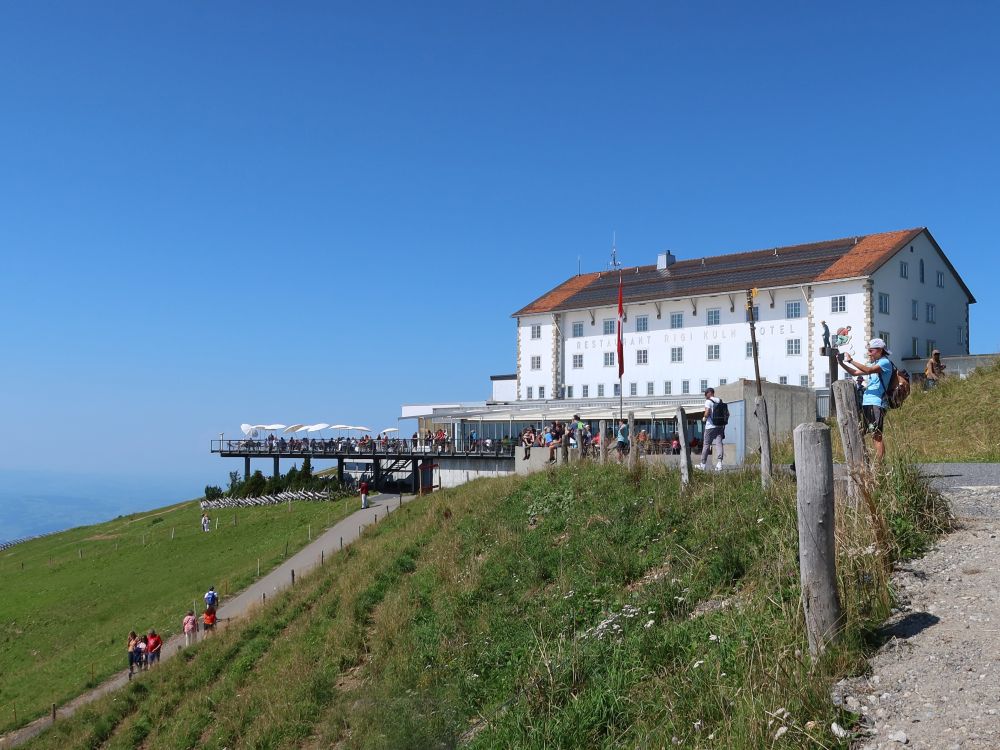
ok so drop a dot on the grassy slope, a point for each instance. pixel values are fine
(957, 421)
(468, 619)
(62, 617)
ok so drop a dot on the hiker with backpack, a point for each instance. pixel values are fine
(886, 387)
(716, 419)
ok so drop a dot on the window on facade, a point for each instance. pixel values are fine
(649, 389)
(915, 346)
(931, 346)
(577, 361)
(931, 313)
(577, 330)
(685, 386)
(793, 347)
(884, 335)
(641, 356)
(633, 389)
(531, 393)
(609, 359)
(536, 332)
(618, 389)
(642, 323)
(677, 320)
(827, 380)
(940, 279)
(569, 391)
(838, 304)
(723, 381)
(600, 390)
(921, 270)
(756, 314)
(804, 381)
(677, 354)
(793, 309)
(883, 303)
(904, 269)
(536, 363)
(541, 391)
(713, 351)
(915, 310)
(668, 387)
(961, 336)
(704, 385)
(609, 327)
(783, 380)
(750, 349)
(584, 391)
(713, 316)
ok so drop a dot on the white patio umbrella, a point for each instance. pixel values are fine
(273, 427)
(390, 429)
(362, 429)
(303, 428)
(246, 429)
(317, 427)
(293, 428)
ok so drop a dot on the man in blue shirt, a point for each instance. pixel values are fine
(874, 401)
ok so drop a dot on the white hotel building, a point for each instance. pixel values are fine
(686, 323)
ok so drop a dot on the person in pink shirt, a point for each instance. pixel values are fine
(190, 626)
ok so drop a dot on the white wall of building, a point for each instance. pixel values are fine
(949, 331)
(852, 296)
(529, 347)
(504, 390)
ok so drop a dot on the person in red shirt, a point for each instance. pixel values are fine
(363, 487)
(208, 620)
(153, 646)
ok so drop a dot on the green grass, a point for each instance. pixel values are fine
(473, 618)
(68, 601)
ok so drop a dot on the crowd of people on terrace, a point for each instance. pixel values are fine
(579, 434)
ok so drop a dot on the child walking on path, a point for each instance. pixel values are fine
(190, 626)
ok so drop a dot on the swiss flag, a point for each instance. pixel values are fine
(621, 321)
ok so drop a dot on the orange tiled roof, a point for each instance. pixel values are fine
(560, 294)
(829, 260)
(870, 252)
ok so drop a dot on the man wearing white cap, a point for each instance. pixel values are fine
(874, 400)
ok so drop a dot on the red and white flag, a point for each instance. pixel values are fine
(621, 321)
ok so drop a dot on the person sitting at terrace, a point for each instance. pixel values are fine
(282, 445)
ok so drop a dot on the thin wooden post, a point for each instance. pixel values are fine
(633, 454)
(764, 428)
(834, 377)
(172, 530)
(322, 557)
(258, 567)
(310, 532)
(342, 543)
(263, 597)
(53, 713)
(816, 520)
(603, 442)
(849, 424)
(293, 576)
(682, 435)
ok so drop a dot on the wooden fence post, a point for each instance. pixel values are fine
(682, 436)
(817, 550)
(760, 410)
(603, 427)
(633, 455)
(849, 424)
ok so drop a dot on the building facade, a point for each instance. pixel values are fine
(686, 323)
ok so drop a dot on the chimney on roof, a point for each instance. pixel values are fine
(664, 260)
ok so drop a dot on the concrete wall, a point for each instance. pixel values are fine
(788, 406)
(453, 472)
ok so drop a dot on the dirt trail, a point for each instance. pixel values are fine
(935, 684)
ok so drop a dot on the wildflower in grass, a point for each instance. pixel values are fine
(648, 625)
(698, 663)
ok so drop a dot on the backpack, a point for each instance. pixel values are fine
(720, 413)
(899, 386)
(211, 599)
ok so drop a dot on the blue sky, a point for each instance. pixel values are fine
(213, 213)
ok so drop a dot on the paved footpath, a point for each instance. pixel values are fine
(308, 558)
(935, 684)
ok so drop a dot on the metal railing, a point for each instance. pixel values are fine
(337, 448)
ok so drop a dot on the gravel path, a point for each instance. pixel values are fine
(935, 684)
